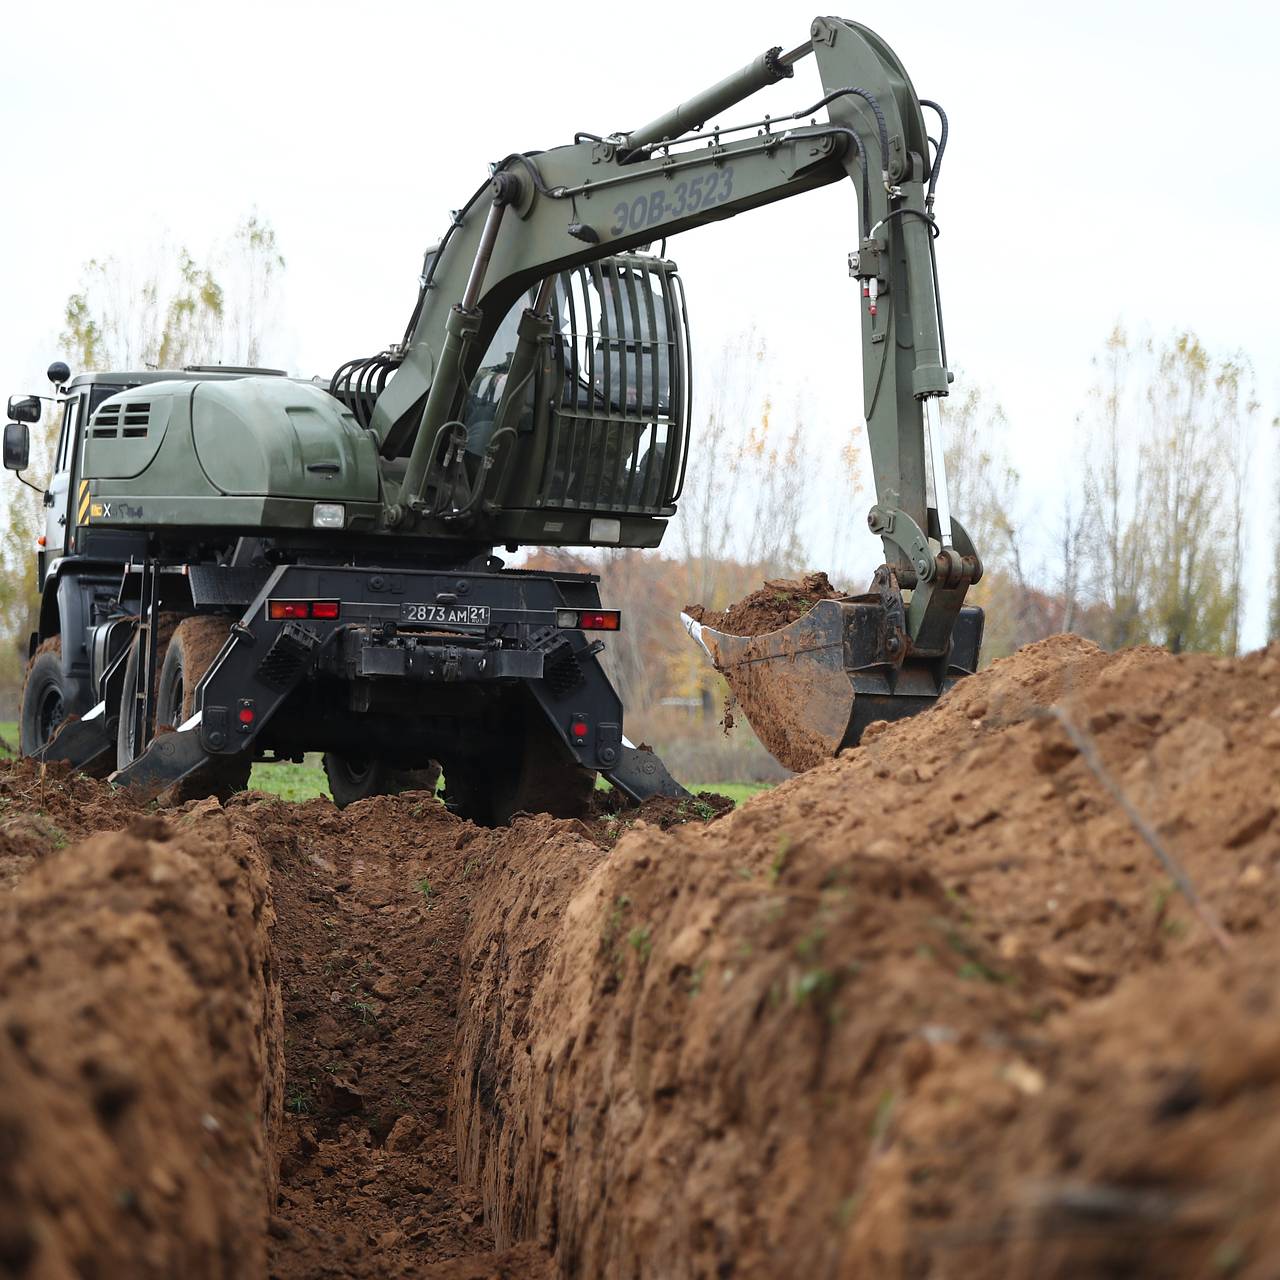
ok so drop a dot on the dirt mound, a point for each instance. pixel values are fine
(778, 602)
(935, 1007)
(139, 1065)
(931, 1007)
(47, 807)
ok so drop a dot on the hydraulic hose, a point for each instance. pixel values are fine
(881, 128)
(937, 155)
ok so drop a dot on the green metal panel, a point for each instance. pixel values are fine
(260, 452)
(126, 434)
(287, 439)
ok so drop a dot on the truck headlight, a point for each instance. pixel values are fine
(328, 515)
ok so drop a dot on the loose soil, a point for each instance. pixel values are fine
(934, 1008)
(779, 602)
(797, 706)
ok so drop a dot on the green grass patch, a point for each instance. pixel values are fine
(291, 781)
(736, 791)
(8, 739)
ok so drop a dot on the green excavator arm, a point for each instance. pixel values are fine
(544, 213)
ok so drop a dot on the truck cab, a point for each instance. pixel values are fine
(78, 566)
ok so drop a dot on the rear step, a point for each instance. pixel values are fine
(809, 689)
(168, 759)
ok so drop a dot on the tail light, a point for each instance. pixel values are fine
(589, 619)
(324, 610)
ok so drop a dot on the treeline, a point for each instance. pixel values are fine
(1145, 543)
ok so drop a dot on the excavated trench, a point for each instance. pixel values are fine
(934, 1008)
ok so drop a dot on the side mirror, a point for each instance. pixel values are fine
(24, 408)
(17, 446)
(58, 372)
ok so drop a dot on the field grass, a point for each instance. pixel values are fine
(291, 781)
(306, 781)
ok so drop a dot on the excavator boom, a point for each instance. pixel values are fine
(551, 212)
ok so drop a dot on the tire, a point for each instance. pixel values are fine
(539, 775)
(186, 648)
(48, 698)
(353, 778)
(127, 750)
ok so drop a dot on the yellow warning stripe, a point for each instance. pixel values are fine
(83, 514)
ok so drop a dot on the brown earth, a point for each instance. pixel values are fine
(778, 602)
(140, 1055)
(933, 1009)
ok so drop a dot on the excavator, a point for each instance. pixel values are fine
(250, 566)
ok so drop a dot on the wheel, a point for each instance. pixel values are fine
(195, 643)
(540, 775)
(127, 748)
(47, 698)
(186, 647)
(353, 778)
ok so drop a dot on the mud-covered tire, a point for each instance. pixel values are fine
(185, 648)
(127, 750)
(353, 778)
(190, 652)
(48, 698)
(539, 775)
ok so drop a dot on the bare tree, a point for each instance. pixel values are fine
(704, 527)
(1072, 526)
(1200, 414)
(846, 520)
(166, 311)
(981, 480)
(1115, 499)
(779, 475)
(172, 310)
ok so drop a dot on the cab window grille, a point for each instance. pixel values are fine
(619, 428)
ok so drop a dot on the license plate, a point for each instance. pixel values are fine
(449, 615)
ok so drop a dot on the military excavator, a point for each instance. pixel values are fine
(240, 565)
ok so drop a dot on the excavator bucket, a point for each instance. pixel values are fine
(810, 688)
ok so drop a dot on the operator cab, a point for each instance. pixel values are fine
(611, 436)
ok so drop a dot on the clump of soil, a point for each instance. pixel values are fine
(140, 1057)
(614, 813)
(777, 603)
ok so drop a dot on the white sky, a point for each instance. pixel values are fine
(1107, 160)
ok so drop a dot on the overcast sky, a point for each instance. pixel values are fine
(1107, 161)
